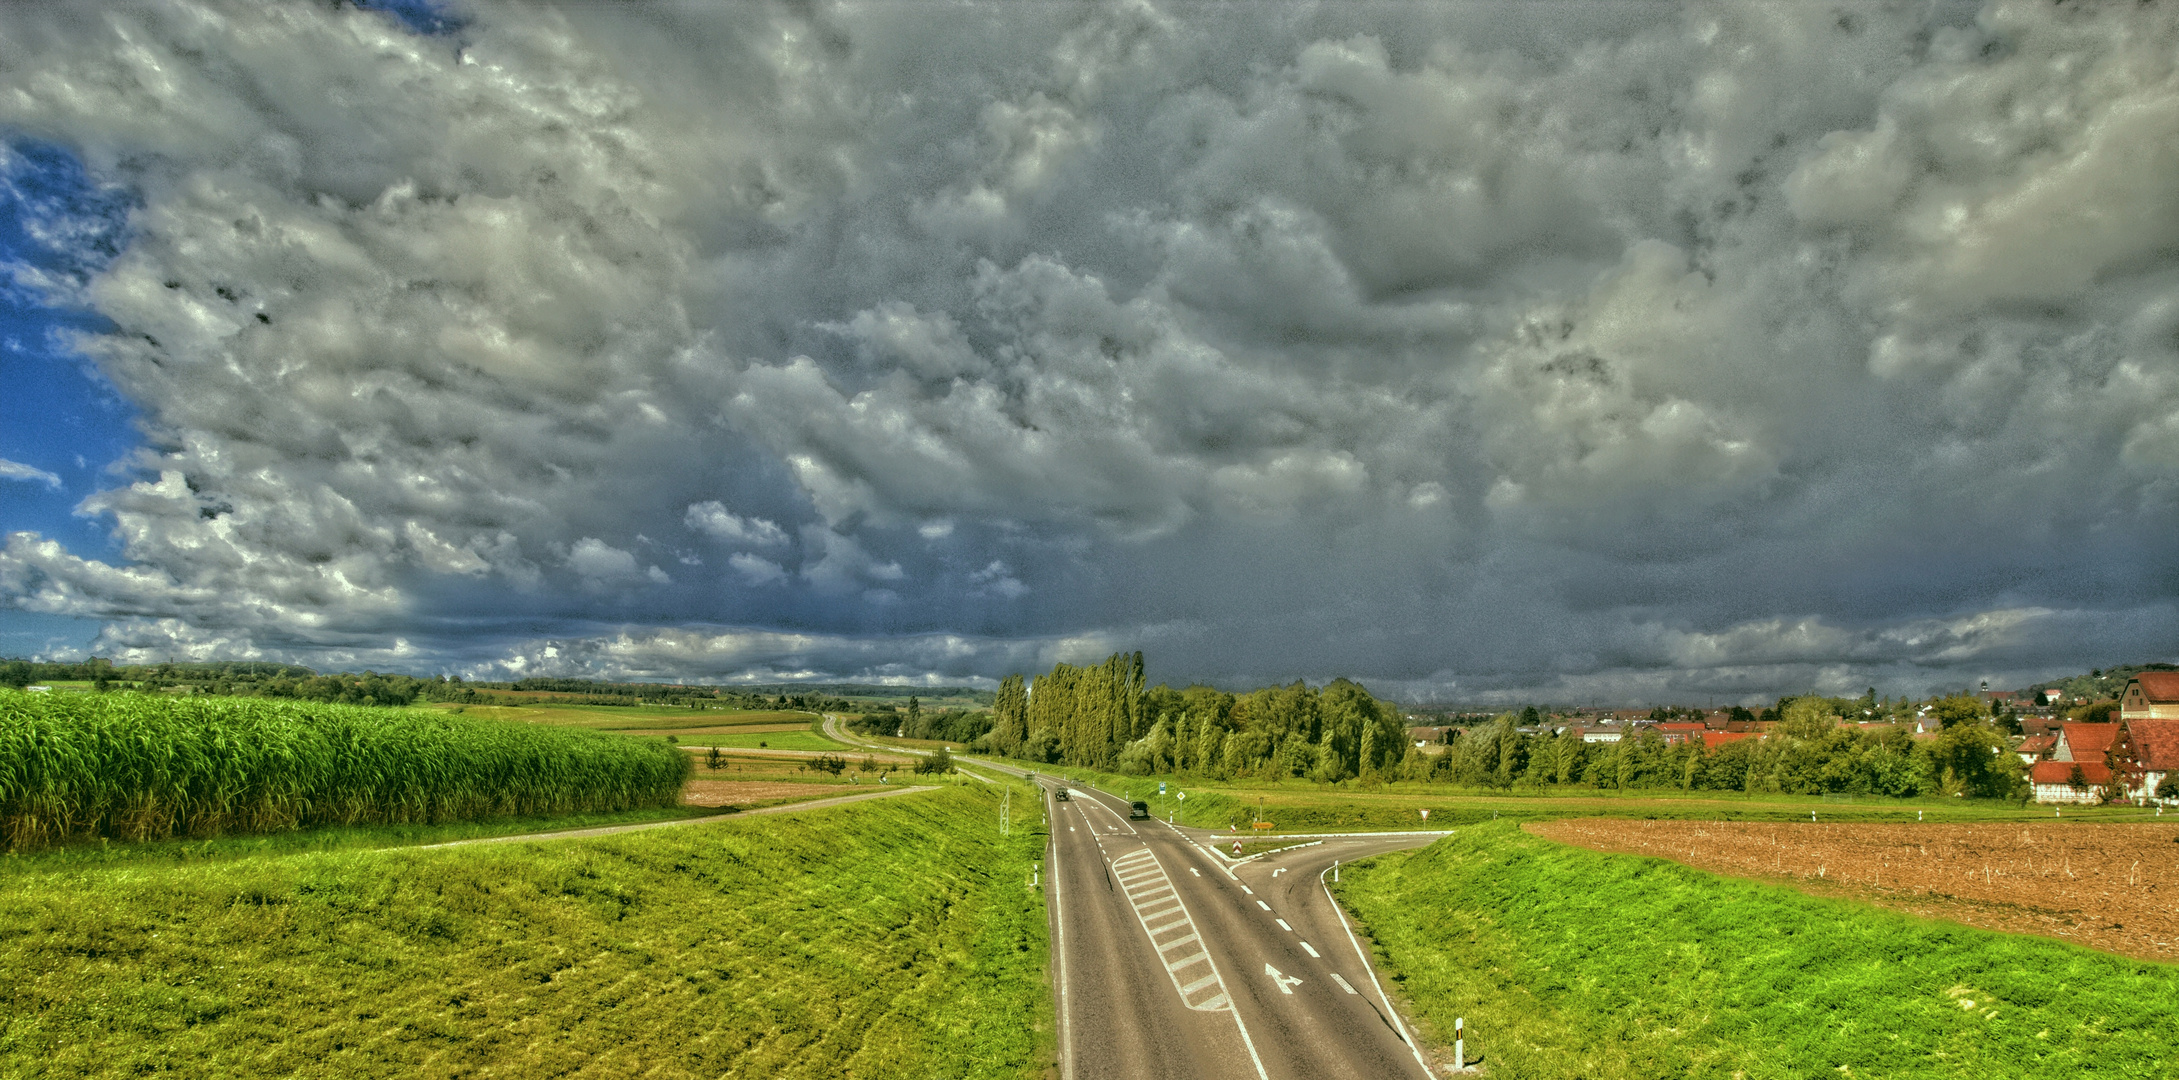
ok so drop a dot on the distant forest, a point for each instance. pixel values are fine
(257, 679)
(1103, 717)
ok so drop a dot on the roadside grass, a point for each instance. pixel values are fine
(1296, 805)
(1569, 962)
(891, 938)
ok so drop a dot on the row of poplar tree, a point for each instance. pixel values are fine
(1104, 717)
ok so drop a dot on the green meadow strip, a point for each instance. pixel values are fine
(1570, 962)
(142, 767)
(893, 938)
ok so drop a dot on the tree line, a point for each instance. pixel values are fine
(1810, 752)
(1104, 717)
(916, 722)
(295, 682)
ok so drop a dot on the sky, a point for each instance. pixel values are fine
(1551, 351)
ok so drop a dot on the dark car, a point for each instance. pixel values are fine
(1138, 809)
(1059, 794)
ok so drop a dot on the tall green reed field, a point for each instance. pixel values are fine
(140, 767)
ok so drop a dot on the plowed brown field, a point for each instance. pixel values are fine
(2109, 886)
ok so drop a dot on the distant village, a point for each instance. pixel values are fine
(2107, 738)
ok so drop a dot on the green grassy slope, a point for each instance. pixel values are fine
(1569, 962)
(890, 938)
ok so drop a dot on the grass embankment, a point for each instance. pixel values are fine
(882, 939)
(1300, 806)
(1568, 962)
(136, 766)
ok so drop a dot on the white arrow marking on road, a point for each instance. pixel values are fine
(1195, 871)
(1278, 871)
(1287, 983)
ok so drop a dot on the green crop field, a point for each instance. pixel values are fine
(1569, 962)
(770, 740)
(895, 938)
(133, 767)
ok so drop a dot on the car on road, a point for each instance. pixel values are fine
(1059, 794)
(1138, 809)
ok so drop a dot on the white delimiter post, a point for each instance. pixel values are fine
(1460, 1044)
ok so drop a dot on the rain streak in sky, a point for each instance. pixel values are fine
(1483, 352)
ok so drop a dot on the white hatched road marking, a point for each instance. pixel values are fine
(1172, 932)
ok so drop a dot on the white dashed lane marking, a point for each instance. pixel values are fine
(1311, 950)
(1172, 932)
(1263, 905)
(1342, 983)
(1283, 926)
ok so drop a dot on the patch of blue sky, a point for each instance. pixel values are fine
(61, 423)
(421, 16)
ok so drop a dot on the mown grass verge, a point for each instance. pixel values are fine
(1569, 962)
(891, 938)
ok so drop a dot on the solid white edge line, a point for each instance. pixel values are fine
(1367, 966)
(1059, 951)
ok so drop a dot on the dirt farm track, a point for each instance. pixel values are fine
(2108, 886)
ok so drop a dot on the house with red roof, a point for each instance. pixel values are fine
(1680, 731)
(2145, 752)
(2054, 780)
(2035, 748)
(2151, 695)
(2084, 742)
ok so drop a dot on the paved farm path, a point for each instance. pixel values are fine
(603, 830)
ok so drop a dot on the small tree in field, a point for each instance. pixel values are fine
(939, 761)
(829, 763)
(711, 760)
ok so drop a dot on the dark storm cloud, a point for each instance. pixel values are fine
(1481, 351)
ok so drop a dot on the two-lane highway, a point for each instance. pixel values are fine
(1171, 965)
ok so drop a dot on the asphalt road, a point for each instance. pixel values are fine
(1170, 965)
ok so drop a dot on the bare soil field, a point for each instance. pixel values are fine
(751, 792)
(2108, 886)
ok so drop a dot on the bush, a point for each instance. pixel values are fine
(939, 761)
